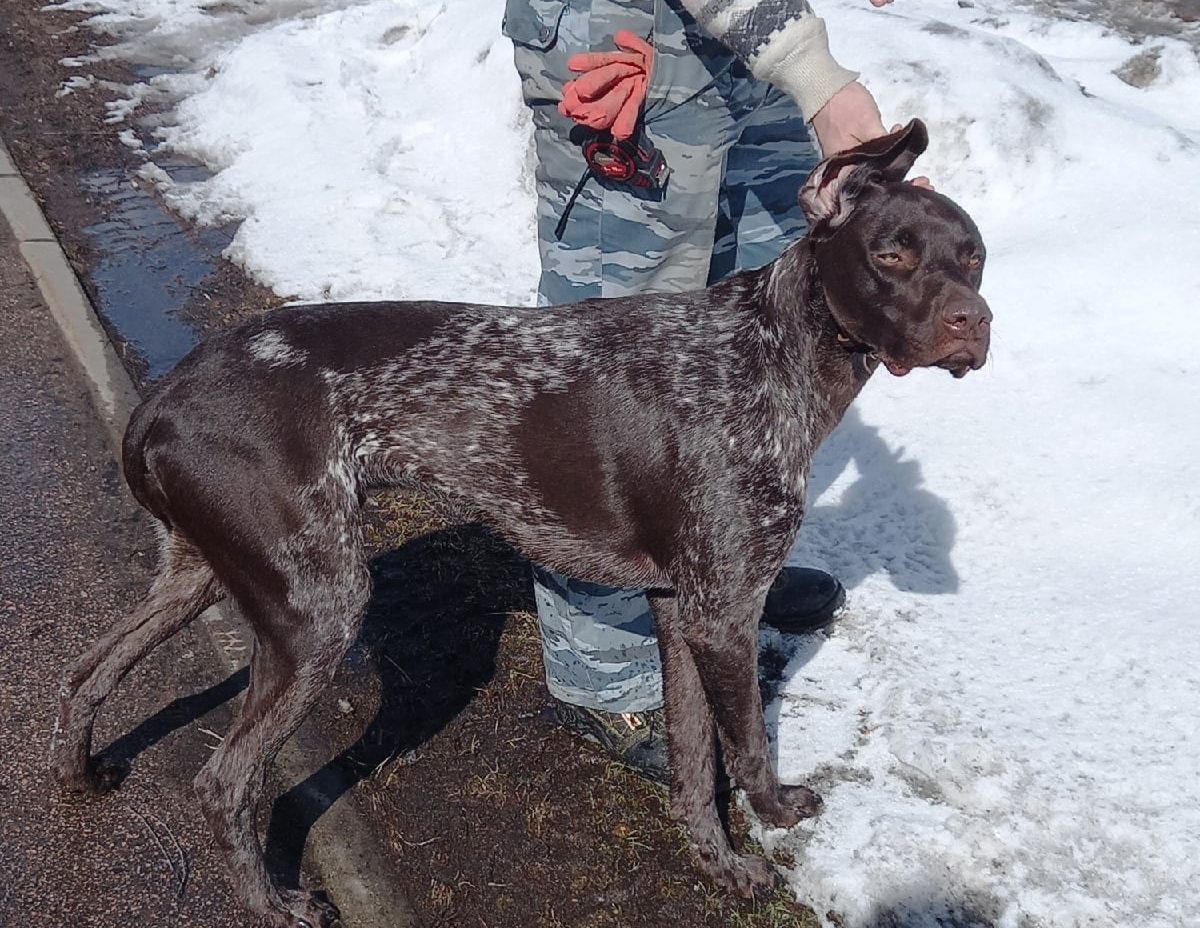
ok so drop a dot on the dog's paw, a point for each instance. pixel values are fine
(106, 775)
(299, 909)
(794, 803)
(745, 875)
(95, 779)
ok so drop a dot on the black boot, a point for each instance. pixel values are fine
(803, 599)
(638, 740)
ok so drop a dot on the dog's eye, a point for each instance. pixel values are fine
(975, 262)
(890, 258)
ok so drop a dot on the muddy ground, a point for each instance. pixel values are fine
(495, 816)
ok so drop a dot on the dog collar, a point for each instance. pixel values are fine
(862, 356)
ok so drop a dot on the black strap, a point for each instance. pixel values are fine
(562, 223)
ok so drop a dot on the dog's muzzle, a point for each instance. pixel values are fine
(967, 325)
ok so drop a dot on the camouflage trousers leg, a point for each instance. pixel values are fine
(738, 150)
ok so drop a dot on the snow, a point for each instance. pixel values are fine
(1004, 725)
(327, 133)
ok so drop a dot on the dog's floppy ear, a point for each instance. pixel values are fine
(828, 194)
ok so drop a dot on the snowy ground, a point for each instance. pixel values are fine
(1004, 728)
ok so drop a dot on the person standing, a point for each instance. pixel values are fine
(725, 91)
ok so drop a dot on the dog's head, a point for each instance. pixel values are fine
(900, 265)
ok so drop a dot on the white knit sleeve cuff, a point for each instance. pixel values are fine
(797, 60)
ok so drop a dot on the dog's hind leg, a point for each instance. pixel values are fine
(185, 587)
(691, 742)
(302, 627)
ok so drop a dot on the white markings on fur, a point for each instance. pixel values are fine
(331, 536)
(449, 413)
(469, 381)
(271, 348)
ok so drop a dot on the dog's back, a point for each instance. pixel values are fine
(565, 427)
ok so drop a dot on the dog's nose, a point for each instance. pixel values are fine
(966, 319)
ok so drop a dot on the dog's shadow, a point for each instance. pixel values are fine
(429, 643)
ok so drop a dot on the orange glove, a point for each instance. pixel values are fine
(612, 86)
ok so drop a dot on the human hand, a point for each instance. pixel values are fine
(611, 87)
(850, 118)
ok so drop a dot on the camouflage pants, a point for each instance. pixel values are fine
(738, 150)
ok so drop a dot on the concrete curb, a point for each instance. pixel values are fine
(342, 846)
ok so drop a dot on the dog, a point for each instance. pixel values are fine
(659, 441)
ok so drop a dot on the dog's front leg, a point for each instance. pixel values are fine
(722, 635)
(691, 743)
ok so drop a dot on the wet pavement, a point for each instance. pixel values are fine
(149, 265)
(74, 556)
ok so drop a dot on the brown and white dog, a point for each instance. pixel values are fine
(660, 441)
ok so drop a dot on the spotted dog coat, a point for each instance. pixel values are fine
(660, 441)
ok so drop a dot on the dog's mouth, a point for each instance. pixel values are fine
(959, 362)
(963, 361)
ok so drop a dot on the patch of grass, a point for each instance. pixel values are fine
(779, 911)
(492, 786)
(395, 516)
(441, 896)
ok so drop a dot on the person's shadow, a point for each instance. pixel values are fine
(934, 908)
(885, 521)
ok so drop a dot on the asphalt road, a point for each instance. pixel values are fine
(75, 554)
